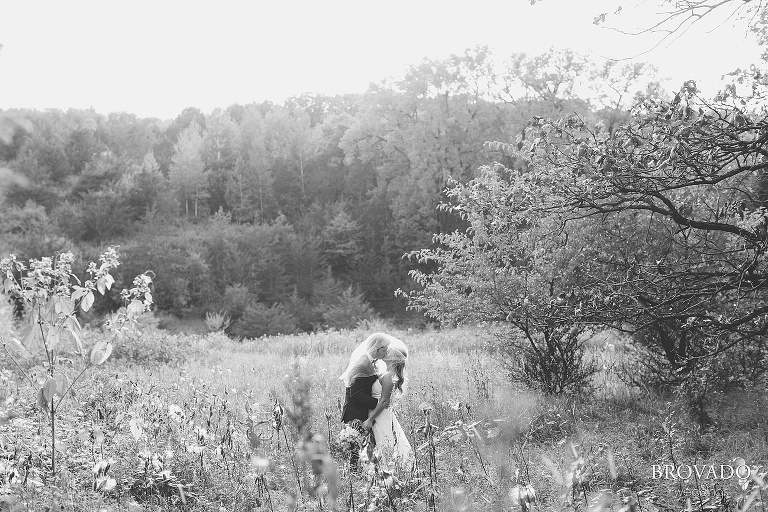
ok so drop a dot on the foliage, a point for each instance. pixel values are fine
(686, 174)
(183, 282)
(52, 295)
(29, 232)
(348, 312)
(150, 346)
(554, 365)
(217, 322)
(202, 435)
(260, 320)
(187, 173)
(348, 182)
(236, 298)
(511, 265)
(647, 366)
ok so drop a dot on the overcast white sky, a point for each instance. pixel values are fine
(156, 57)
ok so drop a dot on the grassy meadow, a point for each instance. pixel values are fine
(189, 422)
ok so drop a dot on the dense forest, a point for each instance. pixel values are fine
(290, 217)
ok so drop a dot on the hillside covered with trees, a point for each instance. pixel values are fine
(289, 216)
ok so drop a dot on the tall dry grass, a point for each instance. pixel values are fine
(495, 445)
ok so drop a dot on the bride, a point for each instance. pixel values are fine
(389, 435)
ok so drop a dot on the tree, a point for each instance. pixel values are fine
(675, 17)
(342, 241)
(220, 153)
(82, 138)
(553, 77)
(250, 183)
(617, 88)
(289, 142)
(684, 177)
(150, 191)
(128, 135)
(516, 266)
(164, 147)
(188, 174)
(418, 133)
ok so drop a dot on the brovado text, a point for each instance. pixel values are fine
(702, 471)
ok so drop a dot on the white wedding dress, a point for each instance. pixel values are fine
(389, 435)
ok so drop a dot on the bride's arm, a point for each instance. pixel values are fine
(386, 393)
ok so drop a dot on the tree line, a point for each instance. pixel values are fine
(293, 215)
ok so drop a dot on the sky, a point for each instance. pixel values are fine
(155, 58)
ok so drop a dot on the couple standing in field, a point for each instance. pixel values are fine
(376, 370)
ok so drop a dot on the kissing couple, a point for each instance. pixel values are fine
(376, 370)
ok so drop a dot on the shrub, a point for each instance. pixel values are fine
(237, 297)
(308, 313)
(694, 378)
(154, 347)
(217, 322)
(350, 310)
(260, 320)
(555, 364)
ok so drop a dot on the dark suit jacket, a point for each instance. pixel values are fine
(358, 400)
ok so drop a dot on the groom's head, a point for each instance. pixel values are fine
(378, 346)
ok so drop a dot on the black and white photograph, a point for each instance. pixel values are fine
(425, 256)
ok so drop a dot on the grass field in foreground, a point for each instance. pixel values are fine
(199, 435)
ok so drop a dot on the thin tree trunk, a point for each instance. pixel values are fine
(301, 171)
(53, 439)
(261, 205)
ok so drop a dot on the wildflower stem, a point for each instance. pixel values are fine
(482, 464)
(53, 439)
(266, 488)
(386, 488)
(63, 395)
(293, 459)
(17, 365)
(351, 494)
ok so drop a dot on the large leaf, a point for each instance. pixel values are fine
(104, 283)
(8, 285)
(100, 352)
(87, 302)
(73, 326)
(42, 402)
(64, 306)
(62, 384)
(18, 350)
(49, 389)
(135, 308)
(32, 340)
(79, 293)
(52, 337)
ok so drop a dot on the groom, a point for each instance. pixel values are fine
(358, 399)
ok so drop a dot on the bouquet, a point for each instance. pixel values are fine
(350, 439)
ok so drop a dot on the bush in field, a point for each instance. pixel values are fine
(152, 348)
(217, 322)
(554, 363)
(349, 310)
(515, 266)
(259, 320)
(647, 366)
(237, 297)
